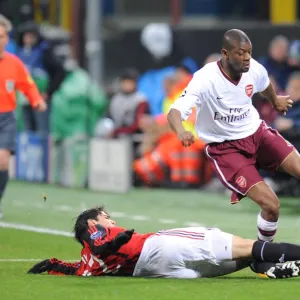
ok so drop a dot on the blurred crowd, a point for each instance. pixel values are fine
(140, 106)
(75, 102)
(283, 65)
(136, 105)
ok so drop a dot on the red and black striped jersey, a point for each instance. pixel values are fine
(99, 259)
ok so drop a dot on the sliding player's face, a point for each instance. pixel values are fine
(104, 220)
(239, 56)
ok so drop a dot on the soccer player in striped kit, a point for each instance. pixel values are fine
(193, 252)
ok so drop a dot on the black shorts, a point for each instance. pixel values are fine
(8, 131)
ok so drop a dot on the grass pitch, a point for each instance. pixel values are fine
(141, 209)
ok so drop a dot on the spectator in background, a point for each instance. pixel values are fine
(127, 106)
(31, 49)
(11, 46)
(276, 61)
(212, 57)
(289, 125)
(160, 148)
(294, 55)
(156, 127)
(182, 76)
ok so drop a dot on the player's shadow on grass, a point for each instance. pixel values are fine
(243, 278)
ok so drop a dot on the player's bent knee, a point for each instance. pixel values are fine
(265, 197)
(271, 206)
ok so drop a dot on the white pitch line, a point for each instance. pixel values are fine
(63, 208)
(139, 218)
(117, 214)
(35, 229)
(19, 259)
(114, 214)
(167, 221)
(29, 259)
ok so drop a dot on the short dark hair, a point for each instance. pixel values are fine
(81, 223)
(233, 36)
(129, 74)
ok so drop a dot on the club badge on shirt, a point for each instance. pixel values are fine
(10, 85)
(249, 90)
(96, 235)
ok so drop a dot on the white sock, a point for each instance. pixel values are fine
(266, 229)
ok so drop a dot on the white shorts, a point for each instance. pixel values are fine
(186, 253)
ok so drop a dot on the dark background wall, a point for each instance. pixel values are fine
(197, 43)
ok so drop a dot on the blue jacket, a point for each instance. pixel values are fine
(33, 58)
(11, 47)
(280, 71)
(294, 114)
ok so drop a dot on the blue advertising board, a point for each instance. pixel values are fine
(32, 156)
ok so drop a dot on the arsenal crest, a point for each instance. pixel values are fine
(249, 90)
(241, 181)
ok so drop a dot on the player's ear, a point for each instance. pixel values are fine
(224, 52)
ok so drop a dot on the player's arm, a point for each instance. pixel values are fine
(280, 103)
(101, 242)
(26, 85)
(55, 267)
(182, 108)
(265, 87)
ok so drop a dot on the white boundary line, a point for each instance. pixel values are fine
(30, 260)
(19, 259)
(35, 229)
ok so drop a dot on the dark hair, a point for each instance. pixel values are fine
(233, 36)
(81, 223)
(129, 74)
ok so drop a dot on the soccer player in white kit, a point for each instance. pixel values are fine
(238, 142)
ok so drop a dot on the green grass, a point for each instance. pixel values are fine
(24, 204)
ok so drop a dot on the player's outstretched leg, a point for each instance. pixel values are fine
(275, 252)
(276, 270)
(285, 270)
(264, 251)
(269, 252)
(267, 220)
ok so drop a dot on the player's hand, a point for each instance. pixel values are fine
(187, 138)
(41, 267)
(41, 106)
(124, 237)
(283, 103)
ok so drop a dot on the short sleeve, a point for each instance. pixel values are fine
(192, 96)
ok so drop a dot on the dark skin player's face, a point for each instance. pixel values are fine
(239, 56)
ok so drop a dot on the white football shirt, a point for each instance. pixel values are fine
(224, 107)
